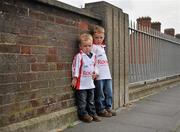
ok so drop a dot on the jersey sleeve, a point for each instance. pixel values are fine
(76, 65)
(95, 66)
(94, 49)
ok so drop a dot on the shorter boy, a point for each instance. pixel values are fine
(83, 73)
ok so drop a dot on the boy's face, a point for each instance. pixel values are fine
(86, 46)
(98, 38)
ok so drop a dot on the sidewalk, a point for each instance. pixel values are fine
(156, 113)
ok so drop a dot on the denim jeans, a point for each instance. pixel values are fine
(103, 94)
(85, 102)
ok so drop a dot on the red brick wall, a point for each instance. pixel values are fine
(37, 45)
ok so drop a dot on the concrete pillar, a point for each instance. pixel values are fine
(115, 23)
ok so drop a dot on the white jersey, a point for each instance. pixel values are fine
(102, 62)
(83, 68)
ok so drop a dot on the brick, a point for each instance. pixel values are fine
(60, 66)
(25, 50)
(37, 15)
(53, 50)
(22, 11)
(44, 75)
(8, 38)
(65, 96)
(39, 84)
(59, 82)
(51, 18)
(6, 78)
(9, 49)
(39, 67)
(42, 17)
(59, 20)
(8, 8)
(25, 77)
(40, 58)
(9, 2)
(6, 99)
(68, 66)
(34, 103)
(9, 29)
(24, 87)
(64, 104)
(12, 9)
(23, 67)
(42, 110)
(8, 88)
(41, 25)
(8, 58)
(51, 58)
(52, 67)
(69, 75)
(26, 59)
(49, 100)
(83, 25)
(27, 40)
(8, 67)
(39, 50)
(43, 92)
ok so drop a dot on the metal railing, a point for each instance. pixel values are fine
(152, 54)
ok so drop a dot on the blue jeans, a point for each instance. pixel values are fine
(85, 102)
(103, 94)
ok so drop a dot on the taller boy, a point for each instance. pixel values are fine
(103, 90)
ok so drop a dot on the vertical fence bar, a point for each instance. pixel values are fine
(152, 55)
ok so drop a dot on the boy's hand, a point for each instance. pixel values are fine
(74, 81)
(94, 75)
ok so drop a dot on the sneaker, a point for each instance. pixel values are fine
(111, 111)
(96, 118)
(86, 118)
(104, 113)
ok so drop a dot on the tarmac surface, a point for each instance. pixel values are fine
(157, 113)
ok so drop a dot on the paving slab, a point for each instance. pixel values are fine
(156, 113)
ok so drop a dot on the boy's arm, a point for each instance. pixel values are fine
(74, 82)
(75, 70)
(96, 71)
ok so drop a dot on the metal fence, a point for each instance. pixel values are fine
(152, 54)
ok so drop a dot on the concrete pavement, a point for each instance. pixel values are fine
(156, 113)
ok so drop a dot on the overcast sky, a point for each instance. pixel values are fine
(165, 11)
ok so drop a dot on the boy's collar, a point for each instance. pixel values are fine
(102, 45)
(81, 52)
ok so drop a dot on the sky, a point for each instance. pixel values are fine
(165, 11)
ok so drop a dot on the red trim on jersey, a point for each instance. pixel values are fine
(79, 77)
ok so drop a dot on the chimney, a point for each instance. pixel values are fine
(169, 31)
(144, 22)
(177, 36)
(156, 26)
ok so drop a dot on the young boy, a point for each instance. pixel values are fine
(103, 83)
(84, 72)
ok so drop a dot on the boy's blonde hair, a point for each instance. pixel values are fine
(85, 37)
(98, 29)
